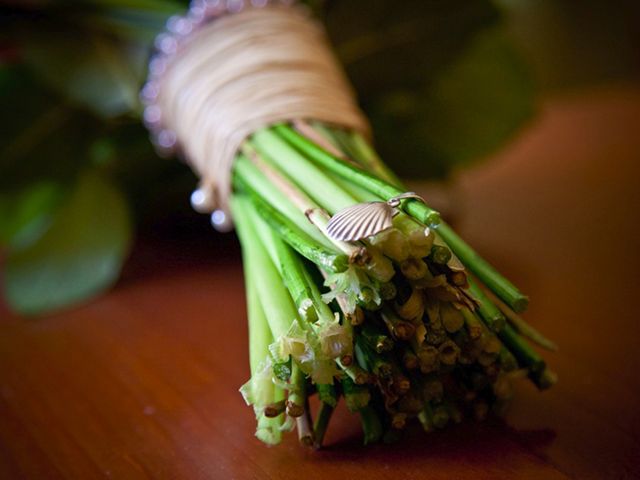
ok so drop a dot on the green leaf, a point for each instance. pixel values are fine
(79, 256)
(402, 44)
(91, 70)
(41, 136)
(471, 108)
(27, 214)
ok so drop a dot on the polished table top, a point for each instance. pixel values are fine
(142, 383)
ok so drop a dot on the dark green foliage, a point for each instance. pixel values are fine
(77, 256)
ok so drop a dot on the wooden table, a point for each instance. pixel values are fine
(142, 383)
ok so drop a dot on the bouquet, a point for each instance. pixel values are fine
(356, 288)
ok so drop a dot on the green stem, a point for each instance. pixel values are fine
(451, 318)
(315, 215)
(426, 418)
(356, 191)
(324, 312)
(355, 396)
(522, 326)
(296, 277)
(309, 178)
(526, 356)
(292, 271)
(474, 326)
(355, 373)
(376, 338)
(327, 393)
(259, 332)
(371, 361)
(297, 395)
(268, 430)
(247, 173)
(260, 337)
(440, 254)
(399, 328)
(275, 299)
(337, 137)
(366, 155)
(371, 425)
(375, 185)
(507, 361)
(544, 379)
(298, 239)
(305, 431)
(354, 145)
(275, 409)
(489, 313)
(321, 423)
(502, 287)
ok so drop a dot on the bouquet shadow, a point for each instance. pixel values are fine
(487, 446)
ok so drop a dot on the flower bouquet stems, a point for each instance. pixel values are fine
(357, 290)
(409, 323)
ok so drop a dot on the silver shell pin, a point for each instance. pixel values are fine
(365, 219)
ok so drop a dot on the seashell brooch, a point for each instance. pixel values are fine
(366, 219)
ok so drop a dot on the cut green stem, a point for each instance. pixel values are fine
(490, 314)
(371, 425)
(297, 395)
(299, 240)
(311, 210)
(327, 393)
(474, 327)
(399, 328)
(305, 431)
(275, 299)
(417, 209)
(248, 174)
(498, 284)
(304, 173)
(322, 423)
(355, 396)
(274, 409)
(522, 326)
(526, 356)
(355, 373)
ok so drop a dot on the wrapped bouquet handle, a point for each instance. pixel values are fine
(237, 74)
(356, 289)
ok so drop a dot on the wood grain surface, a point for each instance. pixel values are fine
(142, 383)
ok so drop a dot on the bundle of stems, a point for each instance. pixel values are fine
(408, 324)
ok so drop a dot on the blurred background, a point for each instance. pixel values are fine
(445, 84)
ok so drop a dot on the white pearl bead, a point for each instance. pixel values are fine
(221, 221)
(235, 6)
(152, 115)
(202, 200)
(171, 23)
(149, 92)
(166, 43)
(179, 25)
(157, 65)
(213, 8)
(167, 139)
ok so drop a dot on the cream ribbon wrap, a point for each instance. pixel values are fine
(243, 72)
